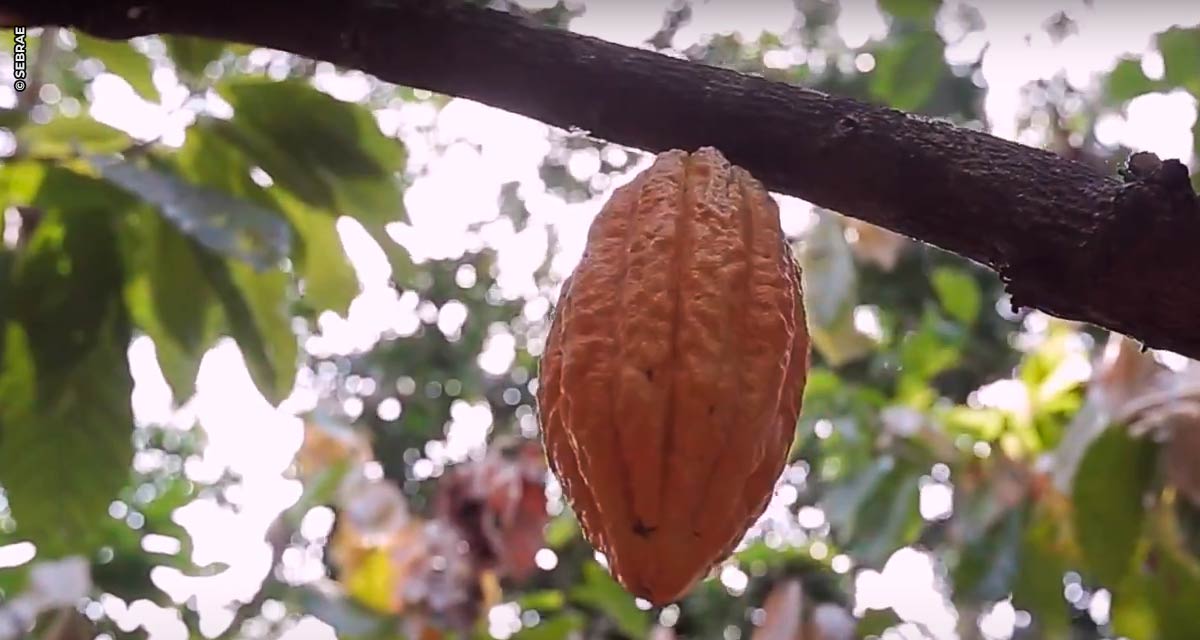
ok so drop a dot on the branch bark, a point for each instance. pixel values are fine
(1066, 239)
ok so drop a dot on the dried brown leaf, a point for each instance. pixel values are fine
(1122, 376)
(326, 444)
(1180, 456)
(873, 244)
(1123, 371)
(498, 504)
(441, 577)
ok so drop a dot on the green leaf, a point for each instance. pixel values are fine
(984, 424)
(207, 158)
(830, 279)
(560, 627)
(1133, 614)
(844, 501)
(841, 343)
(13, 580)
(19, 181)
(958, 292)
(831, 293)
(545, 600)
(122, 59)
(182, 299)
(256, 309)
(49, 186)
(69, 275)
(256, 305)
(127, 574)
(219, 221)
(65, 417)
(13, 118)
(170, 299)
(1108, 516)
(599, 591)
(988, 564)
(907, 73)
(329, 152)
(18, 373)
(888, 519)
(7, 258)
(1040, 364)
(330, 282)
(329, 279)
(48, 287)
(922, 11)
(875, 622)
(286, 171)
(65, 137)
(1127, 81)
(925, 353)
(561, 530)
(192, 55)
(1045, 557)
(1175, 593)
(1180, 50)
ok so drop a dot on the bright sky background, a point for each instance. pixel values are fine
(257, 441)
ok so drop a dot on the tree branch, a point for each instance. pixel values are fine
(1065, 239)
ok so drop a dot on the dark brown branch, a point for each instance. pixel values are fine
(1066, 239)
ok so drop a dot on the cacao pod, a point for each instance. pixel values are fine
(673, 371)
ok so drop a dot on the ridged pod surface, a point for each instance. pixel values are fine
(673, 371)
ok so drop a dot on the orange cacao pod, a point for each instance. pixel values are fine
(673, 371)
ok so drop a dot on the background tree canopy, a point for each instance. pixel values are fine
(269, 333)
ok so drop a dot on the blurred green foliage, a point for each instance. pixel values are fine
(923, 377)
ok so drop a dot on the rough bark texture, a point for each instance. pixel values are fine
(674, 371)
(1065, 238)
